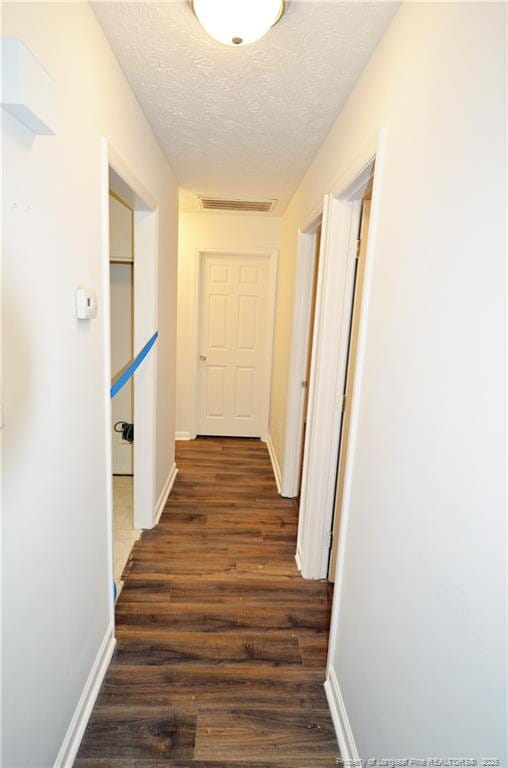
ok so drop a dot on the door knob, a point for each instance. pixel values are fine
(202, 357)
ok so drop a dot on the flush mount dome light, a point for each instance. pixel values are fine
(238, 22)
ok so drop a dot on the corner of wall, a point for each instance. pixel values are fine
(79, 721)
(275, 463)
(348, 751)
(166, 490)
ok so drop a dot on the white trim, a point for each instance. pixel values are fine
(146, 248)
(79, 721)
(274, 460)
(329, 360)
(355, 396)
(345, 737)
(184, 436)
(106, 334)
(127, 185)
(298, 363)
(168, 487)
(347, 744)
(115, 174)
(118, 176)
(298, 561)
(328, 370)
(273, 255)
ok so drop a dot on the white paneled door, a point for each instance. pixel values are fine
(233, 364)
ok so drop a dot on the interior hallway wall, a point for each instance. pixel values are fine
(57, 579)
(419, 620)
(201, 232)
(122, 287)
(121, 353)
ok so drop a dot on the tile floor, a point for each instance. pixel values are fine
(124, 533)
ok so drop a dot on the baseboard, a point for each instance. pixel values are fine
(76, 729)
(298, 560)
(183, 436)
(168, 486)
(275, 462)
(347, 746)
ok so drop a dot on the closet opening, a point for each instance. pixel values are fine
(130, 217)
(345, 414)
(345, 265)
(302, 350)
(121, 275)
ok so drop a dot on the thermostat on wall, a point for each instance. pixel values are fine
(86, 304)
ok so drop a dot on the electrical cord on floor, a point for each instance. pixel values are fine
(126, 430)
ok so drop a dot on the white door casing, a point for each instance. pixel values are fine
(118, 177)
(234, 344)
(333, 316)
(297, 404)
(122, 348)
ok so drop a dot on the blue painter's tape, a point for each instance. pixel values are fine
(132, 367)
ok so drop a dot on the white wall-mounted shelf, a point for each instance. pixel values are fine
(28, 91)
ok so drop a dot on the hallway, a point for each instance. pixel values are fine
(221, 650)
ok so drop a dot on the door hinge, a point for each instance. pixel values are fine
(343, 404)
(357, 254)
(305, 384)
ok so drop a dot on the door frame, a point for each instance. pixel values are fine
(356, 304)
(116, 175)
(306, 254)
(124, 470)
(342, 211)
(273, 256)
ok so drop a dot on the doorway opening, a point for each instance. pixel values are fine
(345, 416)
(309, 345)
(234, 333)
(129, 293)
(121, 280)
(338, 348)
(304, 334)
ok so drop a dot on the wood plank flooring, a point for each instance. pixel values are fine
(221, 649)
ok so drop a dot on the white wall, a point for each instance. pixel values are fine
(121, 310)
(57, 576)
(201, 232)
(121, 352)
(120, 231)
(419, 618)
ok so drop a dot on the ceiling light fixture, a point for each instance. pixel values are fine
(238, 22)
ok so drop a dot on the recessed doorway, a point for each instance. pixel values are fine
(130, 235)
(336, 325)
(304, 334)
(345, 417)
(235, 339)
(121, 274)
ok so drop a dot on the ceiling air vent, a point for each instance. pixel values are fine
(242, 206)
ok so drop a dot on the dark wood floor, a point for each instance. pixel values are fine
(221, 645)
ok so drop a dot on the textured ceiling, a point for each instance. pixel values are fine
(242, 122)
